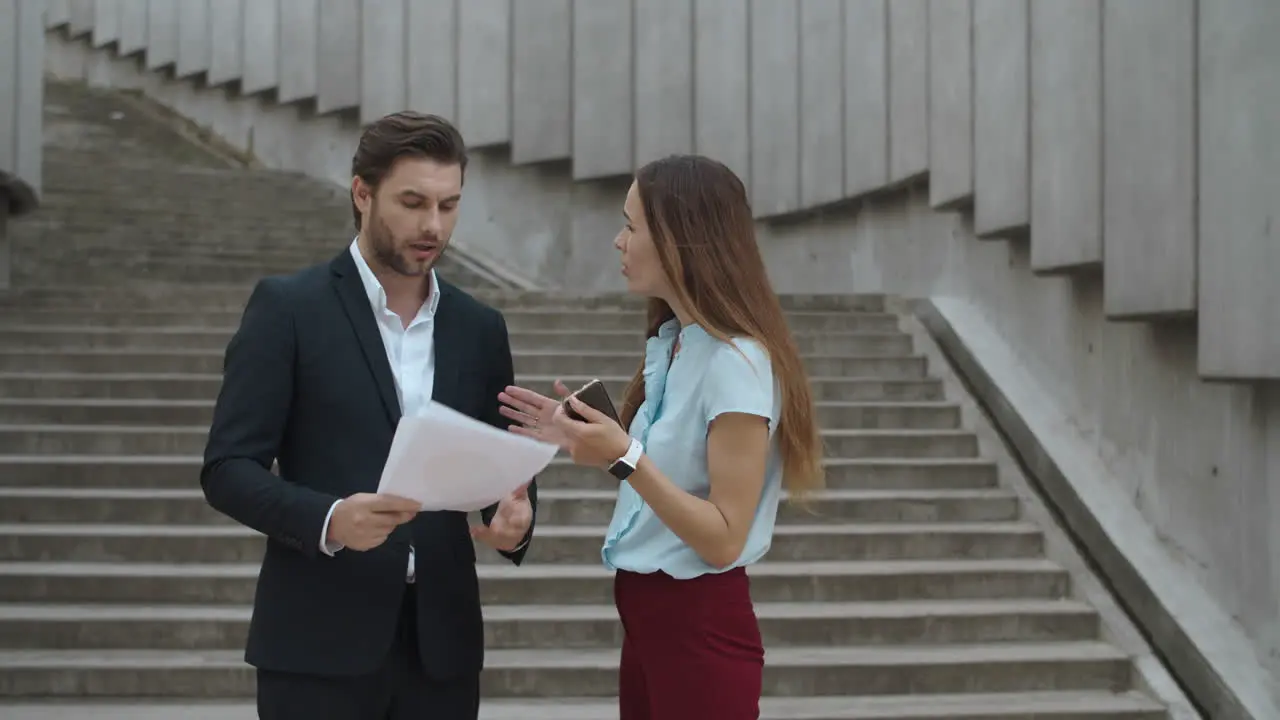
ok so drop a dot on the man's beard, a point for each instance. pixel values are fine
(383, 246)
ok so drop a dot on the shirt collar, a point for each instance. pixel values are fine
(378, 296)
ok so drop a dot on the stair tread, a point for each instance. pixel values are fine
(568, 379)
(100, 612)
(106, 402)
(209, 402)
(91, 376)
(194, 493)
(539, 571)
(877, 655)
(515, 353)
(227, 329)
(882, 707)
(88, 459)
(544, 531)
(136, 428)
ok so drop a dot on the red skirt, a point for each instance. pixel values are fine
(692, 648)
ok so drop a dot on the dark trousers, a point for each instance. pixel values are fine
(691, 649)
(399, 690)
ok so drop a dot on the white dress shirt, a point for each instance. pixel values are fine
(411, 353)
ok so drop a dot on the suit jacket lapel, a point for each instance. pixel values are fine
(447, 335)
(346, 281)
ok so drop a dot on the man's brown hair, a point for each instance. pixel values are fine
(404, 134)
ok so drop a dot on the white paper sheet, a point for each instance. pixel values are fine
(450, 461)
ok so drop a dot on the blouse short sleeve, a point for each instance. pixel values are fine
(740, 379)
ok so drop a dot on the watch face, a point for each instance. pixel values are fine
(621, 470)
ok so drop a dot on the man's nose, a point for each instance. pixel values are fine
(429, 223)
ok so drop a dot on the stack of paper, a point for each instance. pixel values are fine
(450, 461)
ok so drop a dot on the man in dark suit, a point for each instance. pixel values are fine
(365, 607)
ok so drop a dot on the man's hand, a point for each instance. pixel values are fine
(364, 520)
(510, 522)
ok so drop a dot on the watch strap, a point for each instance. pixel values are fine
(625, 465)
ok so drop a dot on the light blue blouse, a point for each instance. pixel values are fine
(707, 378)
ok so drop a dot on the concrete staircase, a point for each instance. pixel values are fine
(917, 591)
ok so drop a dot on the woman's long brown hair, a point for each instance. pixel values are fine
(701, 223)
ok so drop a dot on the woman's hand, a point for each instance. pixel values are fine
(598, 442)
(533, 413)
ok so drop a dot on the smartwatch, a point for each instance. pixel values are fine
(625, 465)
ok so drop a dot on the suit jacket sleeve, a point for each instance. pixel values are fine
(249, 422)
(502, 374)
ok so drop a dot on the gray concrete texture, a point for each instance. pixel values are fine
(998, 102)
(914, 588)
(21, 87)
(1114, 235)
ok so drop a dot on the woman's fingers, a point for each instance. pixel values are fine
(522, 430)
(526, 401)
(513, 414)
(561, 389)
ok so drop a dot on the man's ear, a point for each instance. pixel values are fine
(361, 194)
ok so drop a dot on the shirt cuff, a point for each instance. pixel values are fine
(326, 547)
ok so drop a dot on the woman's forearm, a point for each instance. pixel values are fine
(699, 523)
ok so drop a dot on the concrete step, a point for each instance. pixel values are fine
(203, 297)
(855, 354)
(37, 254)
(42, 263)
(79, 411)
(89, 361)
(89, 169)
(203, 386)
(108, 248)
(66, 337)
(109, 129)
(172, 264)
(185, 210)
(33, 271)
(1031, 705)
(72, 244)
(591, 627)
(791, 672)
(182, 471)
(315, 225)
(556, 506)
(527, 362)
(82, 542)
(892, 443)
(313, 221)
(558, 584)
(190, 440)
(894, 342)
(168, 386)
(210, 208)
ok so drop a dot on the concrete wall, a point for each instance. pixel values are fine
(21, 99)
(1005, 106)
(1096, 178)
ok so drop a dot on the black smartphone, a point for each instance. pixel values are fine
(596, 396)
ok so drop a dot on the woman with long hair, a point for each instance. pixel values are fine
(716, 422)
